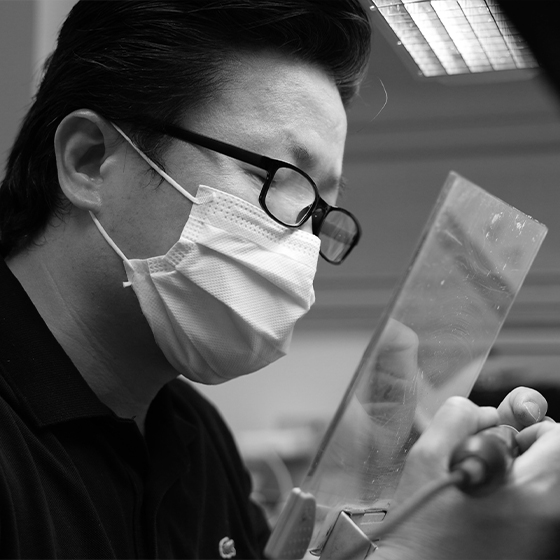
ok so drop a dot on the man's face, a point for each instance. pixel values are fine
(271, 105)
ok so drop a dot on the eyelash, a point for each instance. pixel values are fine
(255, 176)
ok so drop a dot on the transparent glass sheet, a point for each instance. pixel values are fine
(431, 344)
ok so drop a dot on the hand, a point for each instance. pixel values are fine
(519, 520)
(387, 393)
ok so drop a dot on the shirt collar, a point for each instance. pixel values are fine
(39, 372)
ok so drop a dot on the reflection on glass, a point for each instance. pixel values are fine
(431, 344)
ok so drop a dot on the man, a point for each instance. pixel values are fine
(145, 237)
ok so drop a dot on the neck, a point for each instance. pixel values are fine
(101, 329)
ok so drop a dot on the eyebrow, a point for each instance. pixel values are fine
(300, 154)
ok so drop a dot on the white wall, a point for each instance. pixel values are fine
(49, 15)
(16, 44)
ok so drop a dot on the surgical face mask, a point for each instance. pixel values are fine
(224, 300)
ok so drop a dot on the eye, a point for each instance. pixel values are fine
(258, 176)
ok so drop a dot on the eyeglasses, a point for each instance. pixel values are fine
(288, 195)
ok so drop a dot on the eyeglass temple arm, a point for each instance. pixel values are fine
(260, 161)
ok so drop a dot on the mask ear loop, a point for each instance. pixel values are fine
(158, 169)
(163, 174)
(111, 243)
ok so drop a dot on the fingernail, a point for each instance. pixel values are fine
(533, 409)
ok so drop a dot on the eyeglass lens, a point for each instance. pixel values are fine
(289, 194)
(337, 234)
(289, 198)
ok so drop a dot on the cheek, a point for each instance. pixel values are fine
(155, 219)
(236, 182)
(160, 226)
(218, 172)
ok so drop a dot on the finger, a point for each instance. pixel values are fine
(398, 350)
(522, 407)
(396, 367)
(535, 471)
(457, 419)
(527, 437)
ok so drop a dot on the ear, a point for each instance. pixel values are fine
(83, 141)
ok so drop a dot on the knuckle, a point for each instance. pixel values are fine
(425, 453)
(398, 335)
(461, 404)
(407, 338)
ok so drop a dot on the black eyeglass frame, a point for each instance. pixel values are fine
(318, 211)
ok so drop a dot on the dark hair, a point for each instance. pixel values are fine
(132, 59)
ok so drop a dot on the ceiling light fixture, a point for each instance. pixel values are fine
(455, 37)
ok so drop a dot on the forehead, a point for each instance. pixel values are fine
(280, 107)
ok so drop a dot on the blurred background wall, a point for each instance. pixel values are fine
(503, 136)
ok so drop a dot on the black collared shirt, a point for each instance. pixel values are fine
(76, 481)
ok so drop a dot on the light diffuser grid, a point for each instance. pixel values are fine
(448, 37)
